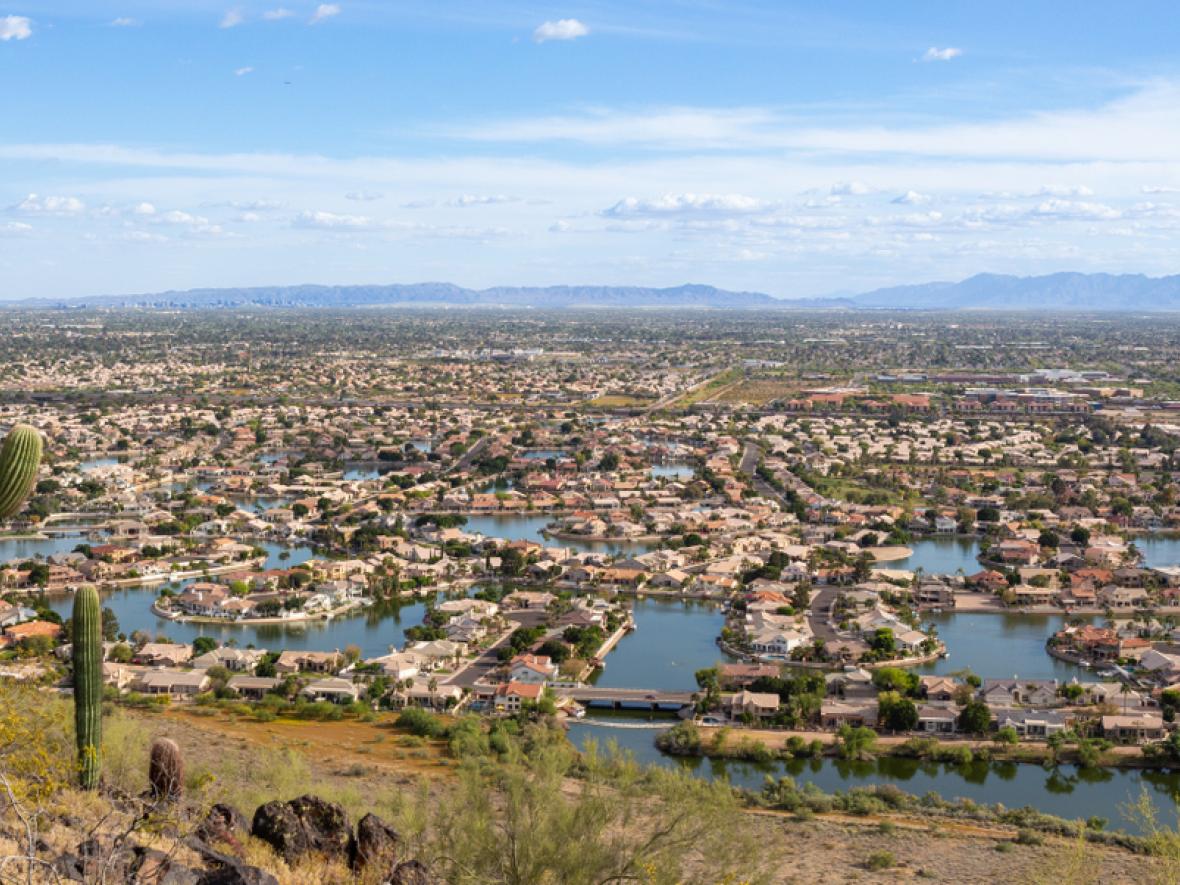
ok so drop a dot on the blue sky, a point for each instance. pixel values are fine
(796, 149)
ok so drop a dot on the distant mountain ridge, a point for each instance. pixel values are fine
(428, 295)
(1058, 291)
(1051, 292)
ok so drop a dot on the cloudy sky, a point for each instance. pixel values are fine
(772, 146)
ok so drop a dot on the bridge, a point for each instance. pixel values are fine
(626, 698)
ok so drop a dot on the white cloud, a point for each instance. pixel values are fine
(252, 205)
(176, 216)
(1079, 190)
(143, 236)
(144, 208)
(15, 27)
(37, 205)
(231, 19)
(1159, 189)
(559, 227)
(911, 198)
(562, 29)
(125, 22)
(249, 217)
(364, 196)
(675, 204)
(323, 12)
(331, 221)
(850, 188)
(936, 54)
(241, 72)
(274, 15)
(14, 228)
(1073, 209)
(481, 200)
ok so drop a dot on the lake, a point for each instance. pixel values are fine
(673, 471)
(1066, 791)
(1159, 550)
(999, 646)
(672, 640)
(373, 630)
(529, 527)
(22, 549)
(940, 556)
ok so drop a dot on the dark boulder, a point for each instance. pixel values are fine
(374, 846)
(223, 823)
(412, 872)
(225, 869)
(307, 825)
(148, 866)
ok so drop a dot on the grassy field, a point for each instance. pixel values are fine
(757, 391)
(337, 747)
(618, 401)
(707, 390)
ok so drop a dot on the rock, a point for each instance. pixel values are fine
(411, 872)
(237, 873)
(93, 859)
(151, 867)
(227, 869)
(303, 826)
(223, 823)
(374, 846)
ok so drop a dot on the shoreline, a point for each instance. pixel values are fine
(249, 622)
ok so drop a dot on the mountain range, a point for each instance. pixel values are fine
(1052, 292)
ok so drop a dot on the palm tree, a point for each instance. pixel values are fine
(1125, 691)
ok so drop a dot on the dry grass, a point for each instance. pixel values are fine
(757, 391)
(618, 401)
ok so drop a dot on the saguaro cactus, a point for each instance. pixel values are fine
(88, 685)
(166, 770)
(20, 456)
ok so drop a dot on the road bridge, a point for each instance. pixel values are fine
(626, 698)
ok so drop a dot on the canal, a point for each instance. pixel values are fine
(1066, 791)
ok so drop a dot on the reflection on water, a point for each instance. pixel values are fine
(1065, 791)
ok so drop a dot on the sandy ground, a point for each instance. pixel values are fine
(823, 849)
(831, 849)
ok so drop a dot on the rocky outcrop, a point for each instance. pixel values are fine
(303, 826)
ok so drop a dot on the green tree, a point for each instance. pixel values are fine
(975, 717)
(896, 712)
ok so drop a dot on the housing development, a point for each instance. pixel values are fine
(677, 534)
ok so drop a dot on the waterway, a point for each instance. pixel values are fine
(1066, 791)
(940, 556)
(1159, 550)
(673, 471)
(529, 527)
(1000, 646)
(672, 640)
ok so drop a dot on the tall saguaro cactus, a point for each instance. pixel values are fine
(20, 456)
(88, 685)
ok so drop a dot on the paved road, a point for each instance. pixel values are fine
(470, 455)
(750, 458)
(482, 667)
(820, 612)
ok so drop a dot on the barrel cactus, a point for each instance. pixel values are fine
(20, 456)
(88, 685)
(166, 770)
